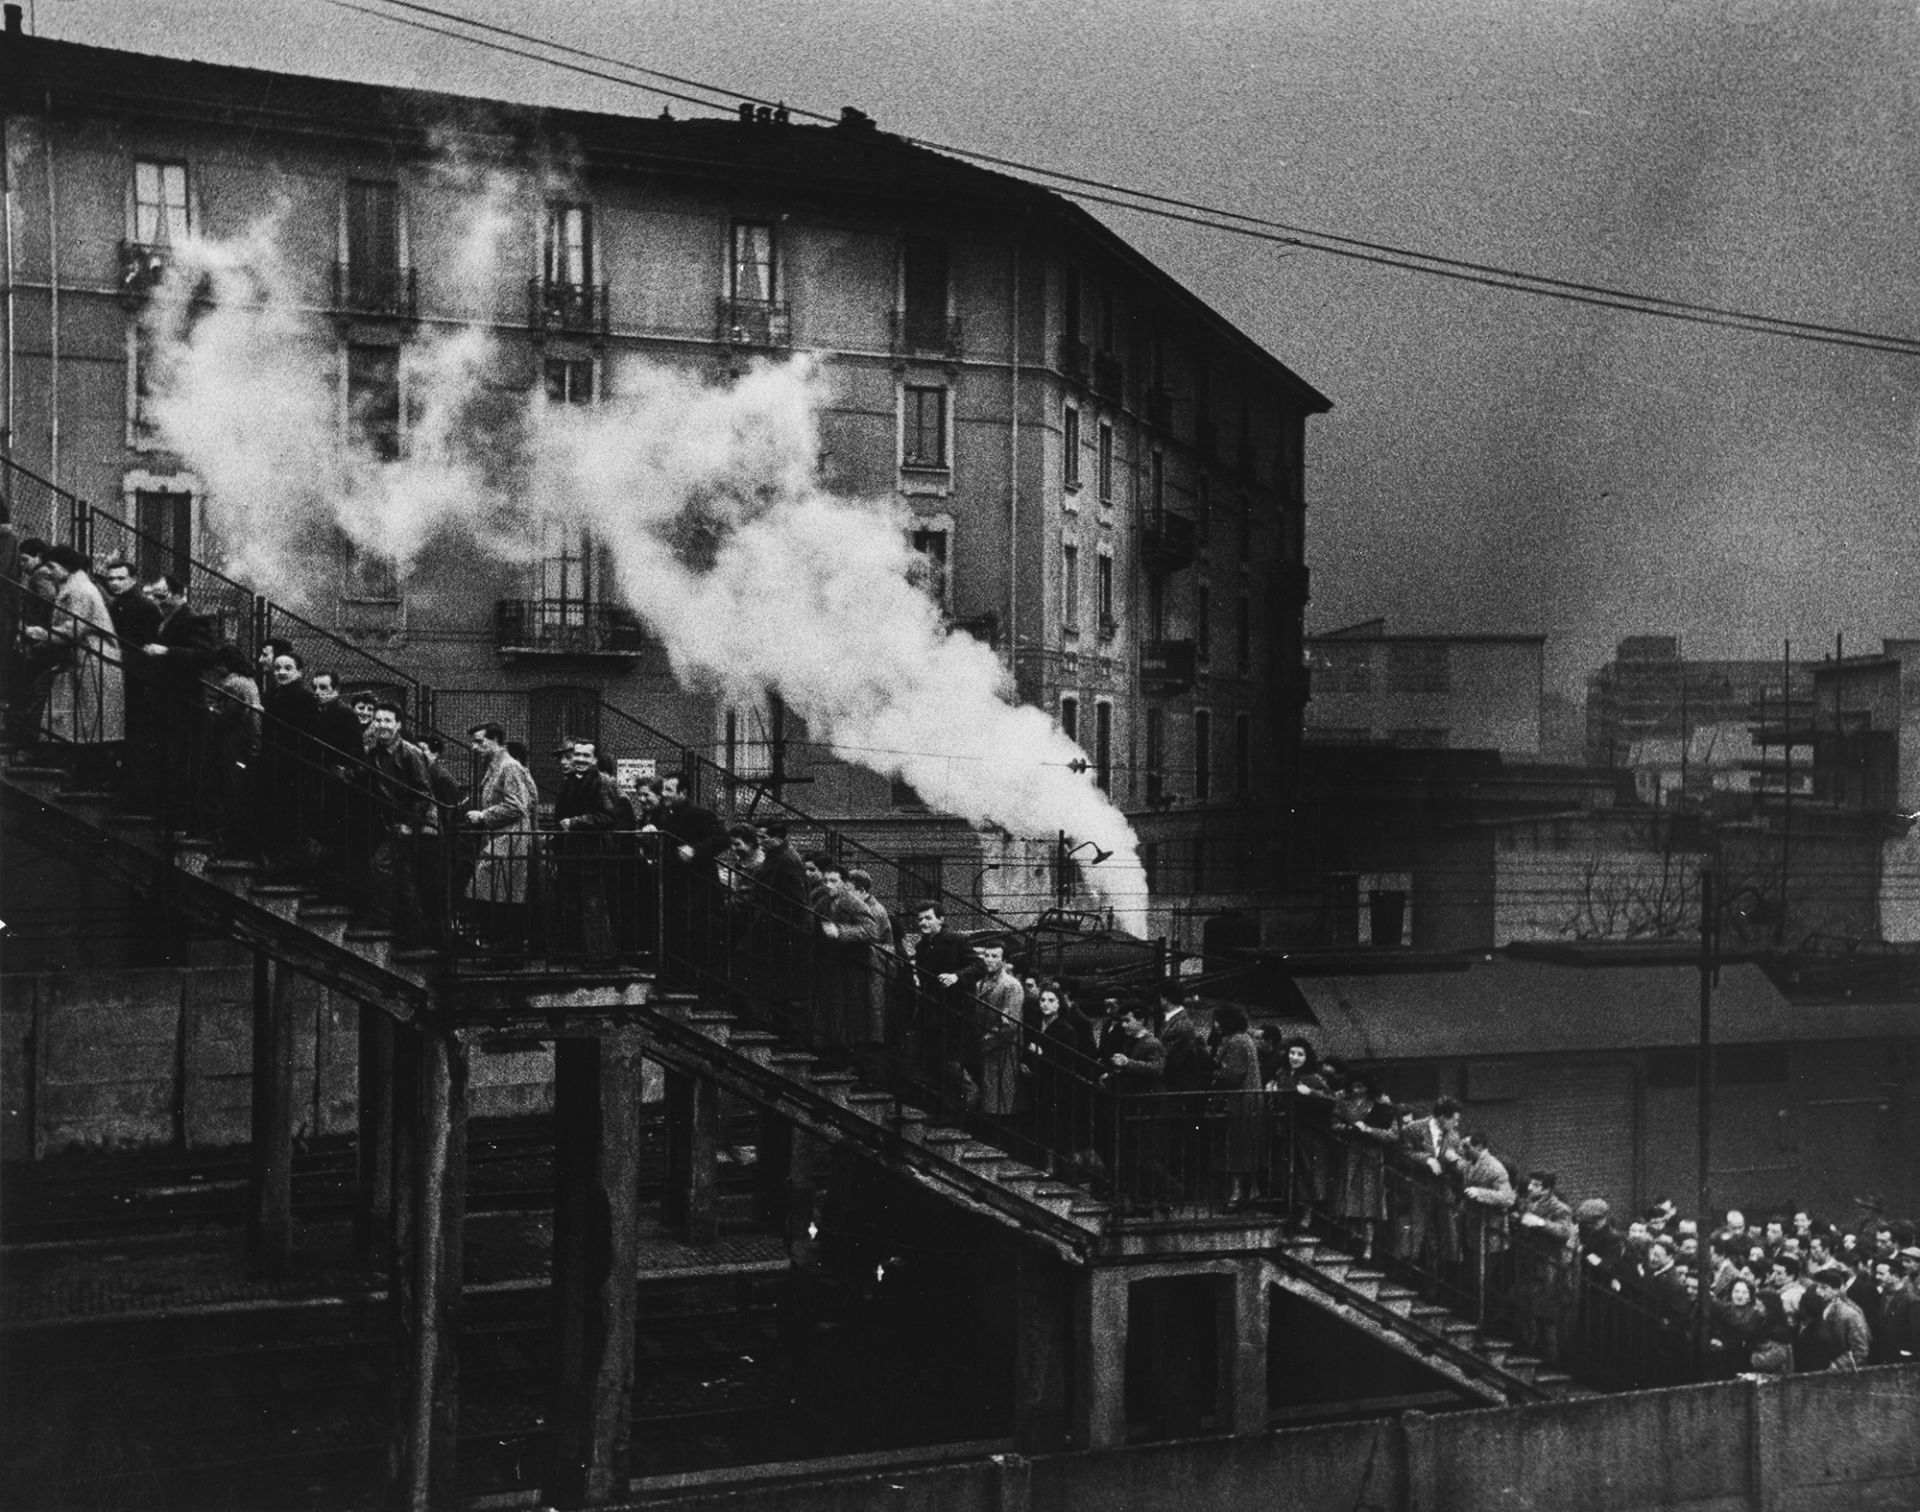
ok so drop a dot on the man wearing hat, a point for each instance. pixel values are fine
(1836, 1336)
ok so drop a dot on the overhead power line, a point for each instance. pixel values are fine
(1147, 202)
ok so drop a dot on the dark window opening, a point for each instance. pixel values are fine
(924, 428)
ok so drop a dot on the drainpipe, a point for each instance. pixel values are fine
(6, 213)
(53, 312)
(1013, 476)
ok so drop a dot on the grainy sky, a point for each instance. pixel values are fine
(1494, 461)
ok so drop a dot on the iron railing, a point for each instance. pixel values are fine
(753, 322)
(576, 308)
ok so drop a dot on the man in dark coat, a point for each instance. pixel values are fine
(789, 921)
(404, 816)
(1836, 1335)
(136, 618)
(690, 881)
(585, 811)
(941, 1015)
(1132, 1075)
(173, 661)
(286, 782)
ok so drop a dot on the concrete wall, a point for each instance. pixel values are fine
(123, 1059)
(1824, 1443)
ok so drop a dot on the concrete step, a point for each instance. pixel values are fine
(1401, 1299)
(1056, 1198)
(755, 1044)
(713, 1023)
(94, 807)
(375, 946)
(877, 1106)
(793, 1064)
(837, 1086)
(281, 899)
(192, 856)
(330, 921)
(44, 781)
(1366, 1282)
(988, 1161)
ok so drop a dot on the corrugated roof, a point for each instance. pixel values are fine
(1507, 1007)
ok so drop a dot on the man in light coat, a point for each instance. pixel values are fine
(503, 812)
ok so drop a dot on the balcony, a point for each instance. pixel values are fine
(141, 268)
(1166, 541)
(1166, 667)
(565, 627)
(1074, 360)
(1109, 375)
(913, 333)
(379, 293)
(570, 309)
(766, 323)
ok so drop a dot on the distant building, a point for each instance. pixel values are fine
(1433, 692)
(1685, 728)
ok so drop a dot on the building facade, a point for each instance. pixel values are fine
(1428, 692)
(1105, 477)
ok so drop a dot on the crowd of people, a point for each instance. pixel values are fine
(1413, 1189)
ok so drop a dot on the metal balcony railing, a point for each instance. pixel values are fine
(916, 333)
(382, 292)
(753, 322)
(566, 627)
(1167, 541)
(1166, 666)
(570, 308)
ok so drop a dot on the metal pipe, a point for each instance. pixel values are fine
(6, 213)
(1709, 951)
(1013, 471)
(53, 305)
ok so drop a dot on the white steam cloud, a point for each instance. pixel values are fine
(753, 576)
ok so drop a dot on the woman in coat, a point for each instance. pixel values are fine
(86, 701)
(1236, 1070)
(1366, 1122)
(504, 812)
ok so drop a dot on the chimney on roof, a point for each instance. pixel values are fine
(855, 119)
(13, 20)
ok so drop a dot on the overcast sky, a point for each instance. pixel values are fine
(1494, 462)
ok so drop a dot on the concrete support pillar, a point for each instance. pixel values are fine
(1099, 1409)
(1043, 1352)
(270, 1205)
(596, 1086)
(1764, 1440)
(692, 1200)
(773, 1173)
(373, 1197)
(430, 1182)
(1243, 1319)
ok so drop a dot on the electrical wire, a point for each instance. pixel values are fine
(1169, 207)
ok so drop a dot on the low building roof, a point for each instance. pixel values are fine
(1506, 1007)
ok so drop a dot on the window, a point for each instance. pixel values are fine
(1243, 635)
(1202, 622)
(1202, 508)
(369, 577)
(1070, 718)
(572, 571)
(750, 735)
(373, 401)
(1070, 586)
(923, 291)
(1150, 863)
(160, 216)
(569, 380)
(1107, 320)
(1070, 446)
(923, 428)
(1341, 667)
(1103, 747)
(1156, 754)
(1103, 587)
(1242, 754)
(373, 245)
(559, 713)
(1156, 608)
(164, 520)
(1157, 481)
(752, 276)
(921, 878)
(1202, 755)
(1106, 463)
(568, 255)
(932, 574)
